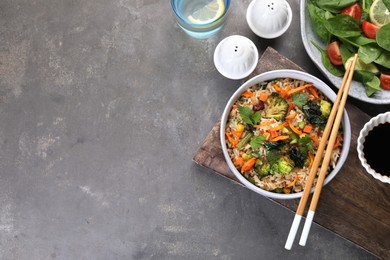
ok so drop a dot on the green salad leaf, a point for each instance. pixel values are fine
(248, 116)
(343, 26)
(383, 37)
(334, 6)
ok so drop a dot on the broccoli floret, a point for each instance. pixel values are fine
(264, 169)
(325, 107)
(274, 168)
(283, 166)
(276, 107)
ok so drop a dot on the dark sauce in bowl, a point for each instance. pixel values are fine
(376, 140)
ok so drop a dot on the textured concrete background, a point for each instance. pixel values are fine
(102, 106)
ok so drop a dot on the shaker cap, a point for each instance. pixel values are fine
(269, 18)
(236, 57)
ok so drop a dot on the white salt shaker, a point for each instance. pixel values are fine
(269, 18)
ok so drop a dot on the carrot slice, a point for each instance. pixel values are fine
(337, 142)
(291, 116)
(231, 139)
(297, 131)
(277, 88)
(291, 184)
(307, 128)
(290, 106)
(234, 137)
(284, 92)
(311, 158)
(274, 133)
(298, 89)
(315, 139)
(279, 127)
(247, 94)
(238, 161)
(280, 137)
(263, 96)
(248, 164)
(237, 134)
(313, 91)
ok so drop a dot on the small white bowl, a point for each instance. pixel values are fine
(269, 18)
(271, 75)
(375, 121)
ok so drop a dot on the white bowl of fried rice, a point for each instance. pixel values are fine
(270, 130)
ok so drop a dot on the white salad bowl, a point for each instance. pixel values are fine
(279, 74)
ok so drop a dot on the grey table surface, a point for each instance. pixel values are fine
(102, 106)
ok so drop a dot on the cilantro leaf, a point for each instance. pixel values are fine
(256, 141)
(256, 117)
(299, 99)
(247, 115)
(305, 142)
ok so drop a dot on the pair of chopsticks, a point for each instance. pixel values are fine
(331, 129)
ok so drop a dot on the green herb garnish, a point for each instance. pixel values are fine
(248, 116)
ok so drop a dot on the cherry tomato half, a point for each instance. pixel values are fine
(369, 29)
(385, 81)
(354, 10)
(333, 51)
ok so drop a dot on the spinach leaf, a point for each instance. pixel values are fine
(372, 85)
(338, 72)
(370, 81)
(334, 6)
(383, 36)
(369, 53)
(349, 45)
(345, 53)
(360, 40)
(343, 25)
(384, 59)
(318, 16)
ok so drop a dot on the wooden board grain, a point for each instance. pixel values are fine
(354, 205)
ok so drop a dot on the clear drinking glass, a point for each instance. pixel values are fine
(201, 18)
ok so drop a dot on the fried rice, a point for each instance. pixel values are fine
(273, 131)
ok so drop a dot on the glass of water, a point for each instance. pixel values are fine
(201, 18)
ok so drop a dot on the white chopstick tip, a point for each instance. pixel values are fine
(293, 231)
(306, 228)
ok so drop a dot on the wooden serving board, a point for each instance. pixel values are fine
(354, 205)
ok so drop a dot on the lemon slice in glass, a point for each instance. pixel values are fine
(379, 14)
(208, 13)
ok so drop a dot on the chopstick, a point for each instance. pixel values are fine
(331, 129)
